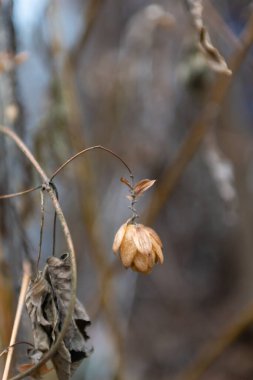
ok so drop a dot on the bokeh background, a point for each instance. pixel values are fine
(128, 75)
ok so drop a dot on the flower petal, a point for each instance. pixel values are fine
(158, 250)
(154, 236)
(142, 239)
(119, 237)
(128, 249)
(141, 263)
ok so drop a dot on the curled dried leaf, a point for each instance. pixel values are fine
(47, 301)
(143, 185)
(212, 56)
(126, 182)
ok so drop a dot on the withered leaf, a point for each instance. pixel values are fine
(75, 338)
(47, 301)
(126, 182)
(143, 185)
(212, 56)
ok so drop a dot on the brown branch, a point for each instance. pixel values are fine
(87, 150)
(218, 92)
(69, 242)
(21, 301)
(14, 195)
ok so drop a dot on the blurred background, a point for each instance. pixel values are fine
(129, 75)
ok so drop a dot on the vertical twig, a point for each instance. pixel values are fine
(24, 286)
(42, 210)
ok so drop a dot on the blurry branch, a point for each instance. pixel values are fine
(21, 301)
(84, 172)
(91, 13)
(46, 186)
(218, 92)
(214, 349)
(220, 25)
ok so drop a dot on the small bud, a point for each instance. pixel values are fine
(140, 247)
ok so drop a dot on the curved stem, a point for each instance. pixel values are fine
(69, 242)
(87, 150)
(23, 192)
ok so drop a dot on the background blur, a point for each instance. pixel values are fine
(128, 75)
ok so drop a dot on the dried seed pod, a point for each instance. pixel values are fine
(140, 247)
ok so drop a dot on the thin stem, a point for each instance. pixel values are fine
(21, 301)
(55, 219)
(6, 350)
(69, 242)
(13, 195)
(86, 150)
(42, 210)
(25, 150)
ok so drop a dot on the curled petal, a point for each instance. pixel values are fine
(128, 249)
(142, 239)
(152, 258)
(141, 263)
(119, 237)
(158, 250)
(154, 236)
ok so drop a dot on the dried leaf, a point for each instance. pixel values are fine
(143, 185)
(39, 301)
(126, 182)
(75, 338)
(47, 301)
(213, 58)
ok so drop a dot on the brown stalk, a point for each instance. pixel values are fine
(69, 242)
(14, 195)
(195, 137)
(21, 301)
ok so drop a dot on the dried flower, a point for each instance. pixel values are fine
(140, 247)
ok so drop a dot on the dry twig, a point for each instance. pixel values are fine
(21, 301)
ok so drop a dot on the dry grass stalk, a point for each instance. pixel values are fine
(21, 301)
